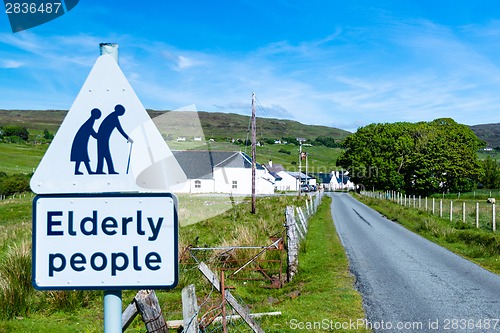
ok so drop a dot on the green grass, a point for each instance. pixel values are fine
(320, 158)
(482, 155)
(20, 158)
(325, 285)
(324, 282)
(481, 246)
(481, 194)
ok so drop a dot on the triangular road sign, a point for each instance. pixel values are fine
(107, 142)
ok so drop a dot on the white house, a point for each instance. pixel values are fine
(287, 180)
(302, 178)
(341, 181)
(283, 181)
(221, 172)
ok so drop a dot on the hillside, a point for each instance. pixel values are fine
(489, 133)
(214, 124)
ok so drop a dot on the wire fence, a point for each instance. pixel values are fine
(481, 213)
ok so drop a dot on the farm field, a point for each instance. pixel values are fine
(20, 158)
(23, 158)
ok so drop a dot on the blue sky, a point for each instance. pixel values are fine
(336, 63)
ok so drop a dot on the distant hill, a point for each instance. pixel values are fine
(489, 133)
(214, 124)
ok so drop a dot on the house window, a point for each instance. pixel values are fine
(235, 185)
(197, 184)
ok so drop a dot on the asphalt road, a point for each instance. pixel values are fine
(410, 284)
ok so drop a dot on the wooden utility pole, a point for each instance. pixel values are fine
(300, 168)
(254, 144)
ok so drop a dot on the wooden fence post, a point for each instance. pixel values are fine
(451, 210)
(477, 215)
(494, 223)
(440, 207)
(463, 212)
(190, 310)
(302, 219)
(433, 206)
(292, 244)
(148, 306)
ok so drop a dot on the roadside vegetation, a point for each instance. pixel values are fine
(322, 292)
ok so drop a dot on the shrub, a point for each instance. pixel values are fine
(18, 183)
(16, 292)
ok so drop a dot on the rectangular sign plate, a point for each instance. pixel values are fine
(105, 241)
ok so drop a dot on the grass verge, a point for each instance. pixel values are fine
(478, 245)
(324, 285)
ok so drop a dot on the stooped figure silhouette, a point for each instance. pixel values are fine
(79, 148)
(104, 135)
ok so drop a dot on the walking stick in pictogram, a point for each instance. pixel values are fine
(129, 154)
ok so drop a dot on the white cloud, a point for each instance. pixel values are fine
(10, 64)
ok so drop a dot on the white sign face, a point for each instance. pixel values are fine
(107, 142)
(114, 241)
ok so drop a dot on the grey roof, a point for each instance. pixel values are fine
(199, 164)
(275, 175)
(274, 168)
(297, 174)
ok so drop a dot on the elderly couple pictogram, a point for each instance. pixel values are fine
(79, 149)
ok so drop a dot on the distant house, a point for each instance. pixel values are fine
(181, 139)
(282, 180)
(221, 172)
(287, 180)
(335, 180)
(341, 181)
(301, 178)
(324, 179)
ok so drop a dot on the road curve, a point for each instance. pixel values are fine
(410, 284)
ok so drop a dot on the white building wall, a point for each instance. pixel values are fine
(224, 178)
(287, 182)
(190, 186)
(239, 181)
(264, 183)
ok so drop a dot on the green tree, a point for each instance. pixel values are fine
(17, 183)
(15, 131)
(47, 135)
(490, 178)
(377, 155)
(419, 158)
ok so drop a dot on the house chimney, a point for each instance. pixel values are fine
(270, 163)
(109, 48)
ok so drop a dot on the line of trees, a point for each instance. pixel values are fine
(13, 133)
(20, 134)
(418, 158)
